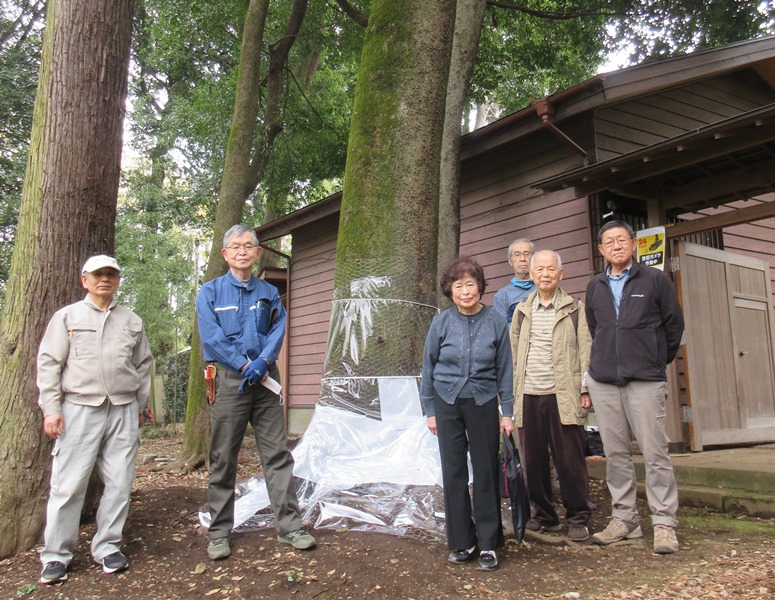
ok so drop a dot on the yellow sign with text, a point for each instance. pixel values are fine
(651, 247)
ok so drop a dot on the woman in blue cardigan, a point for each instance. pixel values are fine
(467, 368)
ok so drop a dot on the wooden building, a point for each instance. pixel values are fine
(688, 143)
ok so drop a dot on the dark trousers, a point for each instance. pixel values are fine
(462, 427)
(542, 432)
(229, 418)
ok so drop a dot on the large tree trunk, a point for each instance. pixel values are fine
(68, 211)
(389, 215)
(468, 26)
(246, 158)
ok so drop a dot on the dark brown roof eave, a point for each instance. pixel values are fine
(504, 130)
(714, 131)
(298, 218)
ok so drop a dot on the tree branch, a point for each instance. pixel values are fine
(295, 81)
(30, 15)
(356, 15)
(559, 15)
(271, 125)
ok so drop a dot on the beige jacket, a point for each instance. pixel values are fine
(570, 356)
(87, 355)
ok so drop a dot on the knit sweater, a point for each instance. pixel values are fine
(468, 351)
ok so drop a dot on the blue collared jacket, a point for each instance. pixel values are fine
(240, 321)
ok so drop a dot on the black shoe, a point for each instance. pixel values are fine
(488, 561)
(113, 563)
(461, 557)
(53, 572)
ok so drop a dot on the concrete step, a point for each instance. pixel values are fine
(714, 483)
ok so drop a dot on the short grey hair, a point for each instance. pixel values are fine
(615, 225)
(238, 230)
(520, 241)
(556, 255)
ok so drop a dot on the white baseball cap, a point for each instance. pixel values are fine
(95, 263)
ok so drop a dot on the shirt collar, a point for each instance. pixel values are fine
(552, 303)
(625, 272)
(90, 302)
(239, 283)
(525, 284)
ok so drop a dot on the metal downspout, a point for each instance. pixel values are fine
(545, 110)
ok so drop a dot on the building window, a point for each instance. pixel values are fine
(607, 206)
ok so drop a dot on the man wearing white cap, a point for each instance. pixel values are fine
(94, 377)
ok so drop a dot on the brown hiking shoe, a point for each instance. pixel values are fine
(578, 533)
(665, 541)
(539, 527)
(617, 531)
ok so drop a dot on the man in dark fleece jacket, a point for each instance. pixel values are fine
(636, 325)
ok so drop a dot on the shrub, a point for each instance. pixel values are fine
(174, 372)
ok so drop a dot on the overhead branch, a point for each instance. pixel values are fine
(356, 15)
(30, 15)
(554, 15)
(307, 101)
(271, 125)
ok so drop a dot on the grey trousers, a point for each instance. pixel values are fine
(105, 436)
(229, 418)
(638, 408)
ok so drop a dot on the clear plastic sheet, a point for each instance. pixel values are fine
(367, 461)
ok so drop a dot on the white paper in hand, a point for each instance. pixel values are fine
(272, 385)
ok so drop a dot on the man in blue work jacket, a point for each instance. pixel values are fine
(241, 326)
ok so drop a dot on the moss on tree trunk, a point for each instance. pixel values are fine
(389, 216)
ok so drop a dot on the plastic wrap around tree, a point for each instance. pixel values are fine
(367, 460)
(373, 334)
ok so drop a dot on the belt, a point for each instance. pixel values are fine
(222, 366)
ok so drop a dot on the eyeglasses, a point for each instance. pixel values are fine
(526, 254)
(245, 247)
(622, 241)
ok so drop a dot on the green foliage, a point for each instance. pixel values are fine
(20, 44)
(26, 590)
(157, 246)
(651, 29)
(708, 522)
(538, 47)
(188, 54)
(523, 56)
(154, 432)
(174, 371)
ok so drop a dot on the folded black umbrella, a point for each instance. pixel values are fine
(512, 486)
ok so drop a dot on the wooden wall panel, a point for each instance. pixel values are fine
(633, 124)
(756, 239)
(312, 286)
(498, 205)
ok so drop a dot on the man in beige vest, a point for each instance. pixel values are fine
(550, 344)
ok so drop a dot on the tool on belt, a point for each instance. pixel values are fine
(210, 372)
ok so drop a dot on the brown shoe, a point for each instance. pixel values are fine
(539, 527)
(578, 533)
(665, 541)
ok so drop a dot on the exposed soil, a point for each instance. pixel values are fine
(720, 557)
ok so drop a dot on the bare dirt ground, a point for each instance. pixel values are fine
(720, 557)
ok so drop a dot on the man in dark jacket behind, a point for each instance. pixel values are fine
(636, 325)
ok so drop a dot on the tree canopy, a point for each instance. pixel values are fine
(182, 90)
